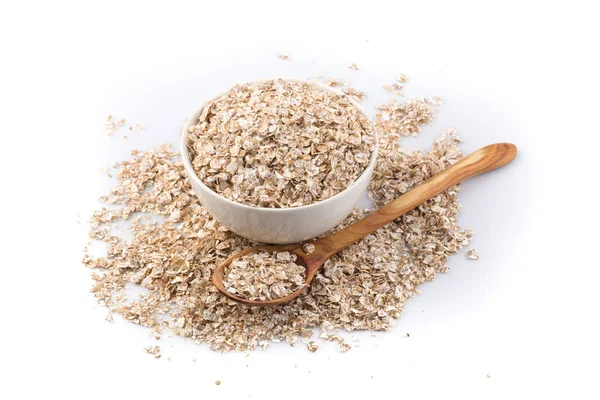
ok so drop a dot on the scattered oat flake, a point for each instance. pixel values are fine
(283, 56)
(109, 318)
(344, 347)
(217, 383)
(308, 248)
(154, 350)
(140, 126)
(472, 255)
(334, 82)
(111, 126)
(312, 347)
(353, 67)
(394, 88)
(436, 100)
(402, 78)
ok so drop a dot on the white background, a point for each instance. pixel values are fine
(525, 313)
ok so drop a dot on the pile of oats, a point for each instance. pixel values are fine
(280, 144)
(264, 276)
(176, 245)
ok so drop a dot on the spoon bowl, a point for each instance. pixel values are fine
(483, 160)
(311, 269)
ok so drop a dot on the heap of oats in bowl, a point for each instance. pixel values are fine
(264, 276)
(280, 143)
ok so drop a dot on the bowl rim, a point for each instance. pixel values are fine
(189, 168)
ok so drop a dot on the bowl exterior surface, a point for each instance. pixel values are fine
(276, 225)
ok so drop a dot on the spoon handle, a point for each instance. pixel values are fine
(483, 160)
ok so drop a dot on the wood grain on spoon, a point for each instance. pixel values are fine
(483, 160)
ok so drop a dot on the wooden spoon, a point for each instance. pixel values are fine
(483, 160)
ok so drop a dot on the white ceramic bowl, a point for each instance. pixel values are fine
(277, 225)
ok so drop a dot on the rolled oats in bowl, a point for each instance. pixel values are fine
(280, 143)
